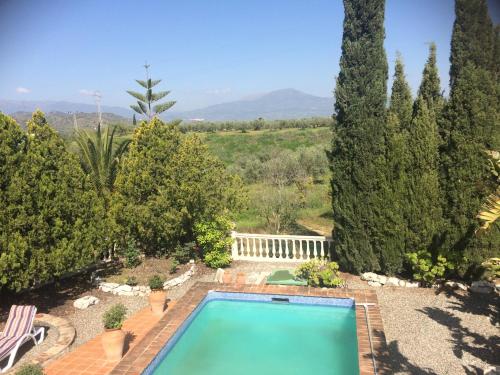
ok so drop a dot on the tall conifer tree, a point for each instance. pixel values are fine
(401, 100)
(430, 87)
(470, 127)
(357, 159)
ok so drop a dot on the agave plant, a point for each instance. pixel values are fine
(145, 102)
(99, 157)
(490, 210)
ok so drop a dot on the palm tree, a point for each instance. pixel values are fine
(99, 158)
(490, 210)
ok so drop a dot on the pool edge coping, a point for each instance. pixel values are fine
(138, 359)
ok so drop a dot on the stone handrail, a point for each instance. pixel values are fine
(279, 248)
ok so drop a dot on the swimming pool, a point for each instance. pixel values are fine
(244, 333)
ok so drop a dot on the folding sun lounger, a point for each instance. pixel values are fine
(18, 330)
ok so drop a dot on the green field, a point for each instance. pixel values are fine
(231, 146)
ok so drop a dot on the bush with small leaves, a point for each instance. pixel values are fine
(425, 269)
(321, 273)
(174, 265)
(491, 268)
(131, 281)
(114, 317)
(183, 253)
(30, 369)
(215, 240)
(156, 282)
(132, 254)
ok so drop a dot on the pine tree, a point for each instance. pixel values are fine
(134, 120)
(357, 158)
(145, 102)
(469, 128)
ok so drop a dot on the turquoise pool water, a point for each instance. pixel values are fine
(243, 337)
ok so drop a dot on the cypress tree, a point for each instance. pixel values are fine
(469, 128)
(395, 191)
(424, 213)
(357, 158)
(401, 100)
(430, 87)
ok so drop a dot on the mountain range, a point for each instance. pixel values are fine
(279, 104)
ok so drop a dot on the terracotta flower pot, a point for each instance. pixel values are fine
(157, 300)
(113, 341)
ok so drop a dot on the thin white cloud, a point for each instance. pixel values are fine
(23, 90)
(226, 90)
(86, 92)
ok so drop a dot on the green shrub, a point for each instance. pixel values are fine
(319, 272)
(51, 220)
(217, 260)
(132, 254)
(215, 240)
(114, 317)
(30, 369)
(425, 269)
(131, 281)
(184, 253)
(491, 268)
(168, 182)
(156, 282)
(174, 265)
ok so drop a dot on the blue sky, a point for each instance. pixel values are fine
(206, 51)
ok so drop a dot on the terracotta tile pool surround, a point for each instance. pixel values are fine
(137, 359)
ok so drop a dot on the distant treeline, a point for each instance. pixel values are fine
(258, 124)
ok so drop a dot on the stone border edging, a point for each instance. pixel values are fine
(141, 290)
(66, 337)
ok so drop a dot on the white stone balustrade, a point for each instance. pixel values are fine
(279, 248)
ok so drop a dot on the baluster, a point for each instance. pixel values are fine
(279, 248)
(286, 249)
(294, 252)
(307, 248)
(254, 249)
(260, 248)
(322, 250)
(247, 247)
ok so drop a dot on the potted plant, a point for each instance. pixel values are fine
(113, 339)
(158, 296)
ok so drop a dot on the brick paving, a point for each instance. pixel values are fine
(90, 359)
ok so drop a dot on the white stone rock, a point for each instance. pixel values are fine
(374, 283)
(414, 284)
(369, 276)
(402, 283)
(85, 302)
(392, 281)
(483, 287)
(108, 287)
(123, 288)
(191, 261)
(455, 285)
(219, 276)
(492, 370)
(382, 279)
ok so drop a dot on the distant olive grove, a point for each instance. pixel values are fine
(258, 124)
